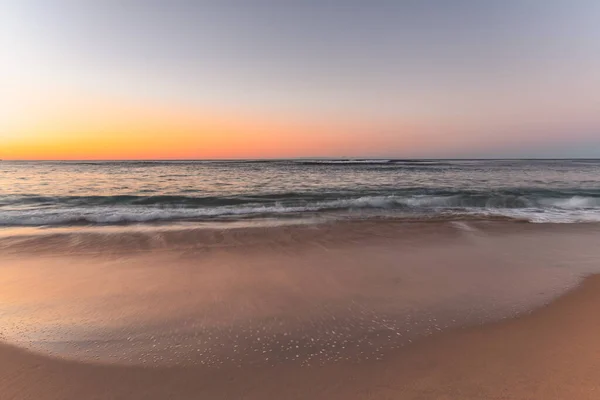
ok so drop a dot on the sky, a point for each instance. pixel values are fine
(149, 79)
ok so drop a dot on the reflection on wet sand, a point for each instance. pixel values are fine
(299, 294)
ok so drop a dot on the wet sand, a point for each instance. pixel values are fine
(365, 311)
(554, 353)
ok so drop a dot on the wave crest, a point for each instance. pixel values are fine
(133, 209)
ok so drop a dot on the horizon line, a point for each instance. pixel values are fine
(303, 158)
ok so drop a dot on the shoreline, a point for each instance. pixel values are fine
(246, 232)
(309, 295)
(552, 353)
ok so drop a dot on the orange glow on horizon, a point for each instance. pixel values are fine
(102, 130)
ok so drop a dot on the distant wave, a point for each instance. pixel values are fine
(391, 162)
(535, 206)
(339, 162)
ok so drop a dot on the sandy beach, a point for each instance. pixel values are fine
(365, 310)
(554, 353)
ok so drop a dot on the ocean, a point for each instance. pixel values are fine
(54, 193)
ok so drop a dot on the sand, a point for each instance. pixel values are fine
(552, 352)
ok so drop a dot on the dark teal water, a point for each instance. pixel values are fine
(67, 193)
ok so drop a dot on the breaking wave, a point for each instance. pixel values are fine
(533, 206)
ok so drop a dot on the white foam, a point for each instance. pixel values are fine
(575, 202)
(536, 215)
(574, 209)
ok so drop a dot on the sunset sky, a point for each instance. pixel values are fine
(125, 79)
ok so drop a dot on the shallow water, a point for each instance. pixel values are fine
(266, 295)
